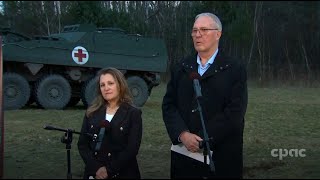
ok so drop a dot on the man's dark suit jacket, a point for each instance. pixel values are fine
(120, 143)
(224, 102)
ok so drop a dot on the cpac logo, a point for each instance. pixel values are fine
(285, 152)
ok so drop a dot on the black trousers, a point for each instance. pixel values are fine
(186, 167)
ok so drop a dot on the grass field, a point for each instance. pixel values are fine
(276, 118)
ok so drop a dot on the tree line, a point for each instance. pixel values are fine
(276, 40)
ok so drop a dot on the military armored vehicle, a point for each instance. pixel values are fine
(59, 70)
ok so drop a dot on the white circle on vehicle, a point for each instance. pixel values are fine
(80, 55)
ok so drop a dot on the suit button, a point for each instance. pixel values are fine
(109, 154)
(121, 128)
(91, 126)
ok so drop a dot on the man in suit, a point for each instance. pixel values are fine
(223, 82)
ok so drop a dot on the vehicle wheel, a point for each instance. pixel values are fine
(16, 91)
(139, 90)
(89, 91)
(53, 92)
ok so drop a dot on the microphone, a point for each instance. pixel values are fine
(48, 127)
(104, 124)
(196, 85)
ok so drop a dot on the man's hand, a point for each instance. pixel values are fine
(102, 173)
(190, 140)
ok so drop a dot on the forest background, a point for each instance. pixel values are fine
(278, 41)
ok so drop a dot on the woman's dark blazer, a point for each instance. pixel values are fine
(120, 143)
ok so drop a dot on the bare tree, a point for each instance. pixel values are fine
(305, 57)
(43, 8)
(57, 8)
(257, 15)
(289, 61)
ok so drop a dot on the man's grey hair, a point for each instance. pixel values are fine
(213, 17)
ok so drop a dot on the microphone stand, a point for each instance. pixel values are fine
(206, 140)
(67, 139)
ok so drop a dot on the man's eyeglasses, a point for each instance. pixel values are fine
(202, 31)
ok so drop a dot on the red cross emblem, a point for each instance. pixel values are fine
(80, 55)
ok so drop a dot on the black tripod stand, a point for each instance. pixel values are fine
(67, 139)
(205, 142)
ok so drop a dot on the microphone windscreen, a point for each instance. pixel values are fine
(194, 75)
(105, 123)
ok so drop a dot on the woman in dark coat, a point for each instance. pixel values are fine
(117, 126)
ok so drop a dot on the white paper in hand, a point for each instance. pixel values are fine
(181, 149)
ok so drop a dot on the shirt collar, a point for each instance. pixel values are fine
(211, 60)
